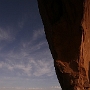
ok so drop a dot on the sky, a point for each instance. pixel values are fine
(25, 59)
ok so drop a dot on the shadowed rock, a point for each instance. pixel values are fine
(67, 29)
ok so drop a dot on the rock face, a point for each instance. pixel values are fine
(67, 29)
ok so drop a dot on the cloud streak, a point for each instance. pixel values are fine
(20, 88)
(29, 59)
(5, 34)
(33, 67)
(38, 33)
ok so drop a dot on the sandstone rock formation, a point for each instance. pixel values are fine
(67, 29)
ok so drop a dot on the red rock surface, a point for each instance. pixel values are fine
(67, 29)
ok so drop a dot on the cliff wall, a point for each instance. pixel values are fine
(67, 29)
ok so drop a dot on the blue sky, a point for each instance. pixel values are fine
(25, 60)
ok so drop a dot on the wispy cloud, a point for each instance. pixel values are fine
(20, 88)
(5, 34)
(38, 33)
(22, 20)
(29, 59)
(33, 67)
(56, 87)
(44, 68)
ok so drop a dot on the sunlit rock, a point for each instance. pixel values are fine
(67, 29)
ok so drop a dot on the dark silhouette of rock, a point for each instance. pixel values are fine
(67, 29)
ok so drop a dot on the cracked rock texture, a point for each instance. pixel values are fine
(67, 29)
